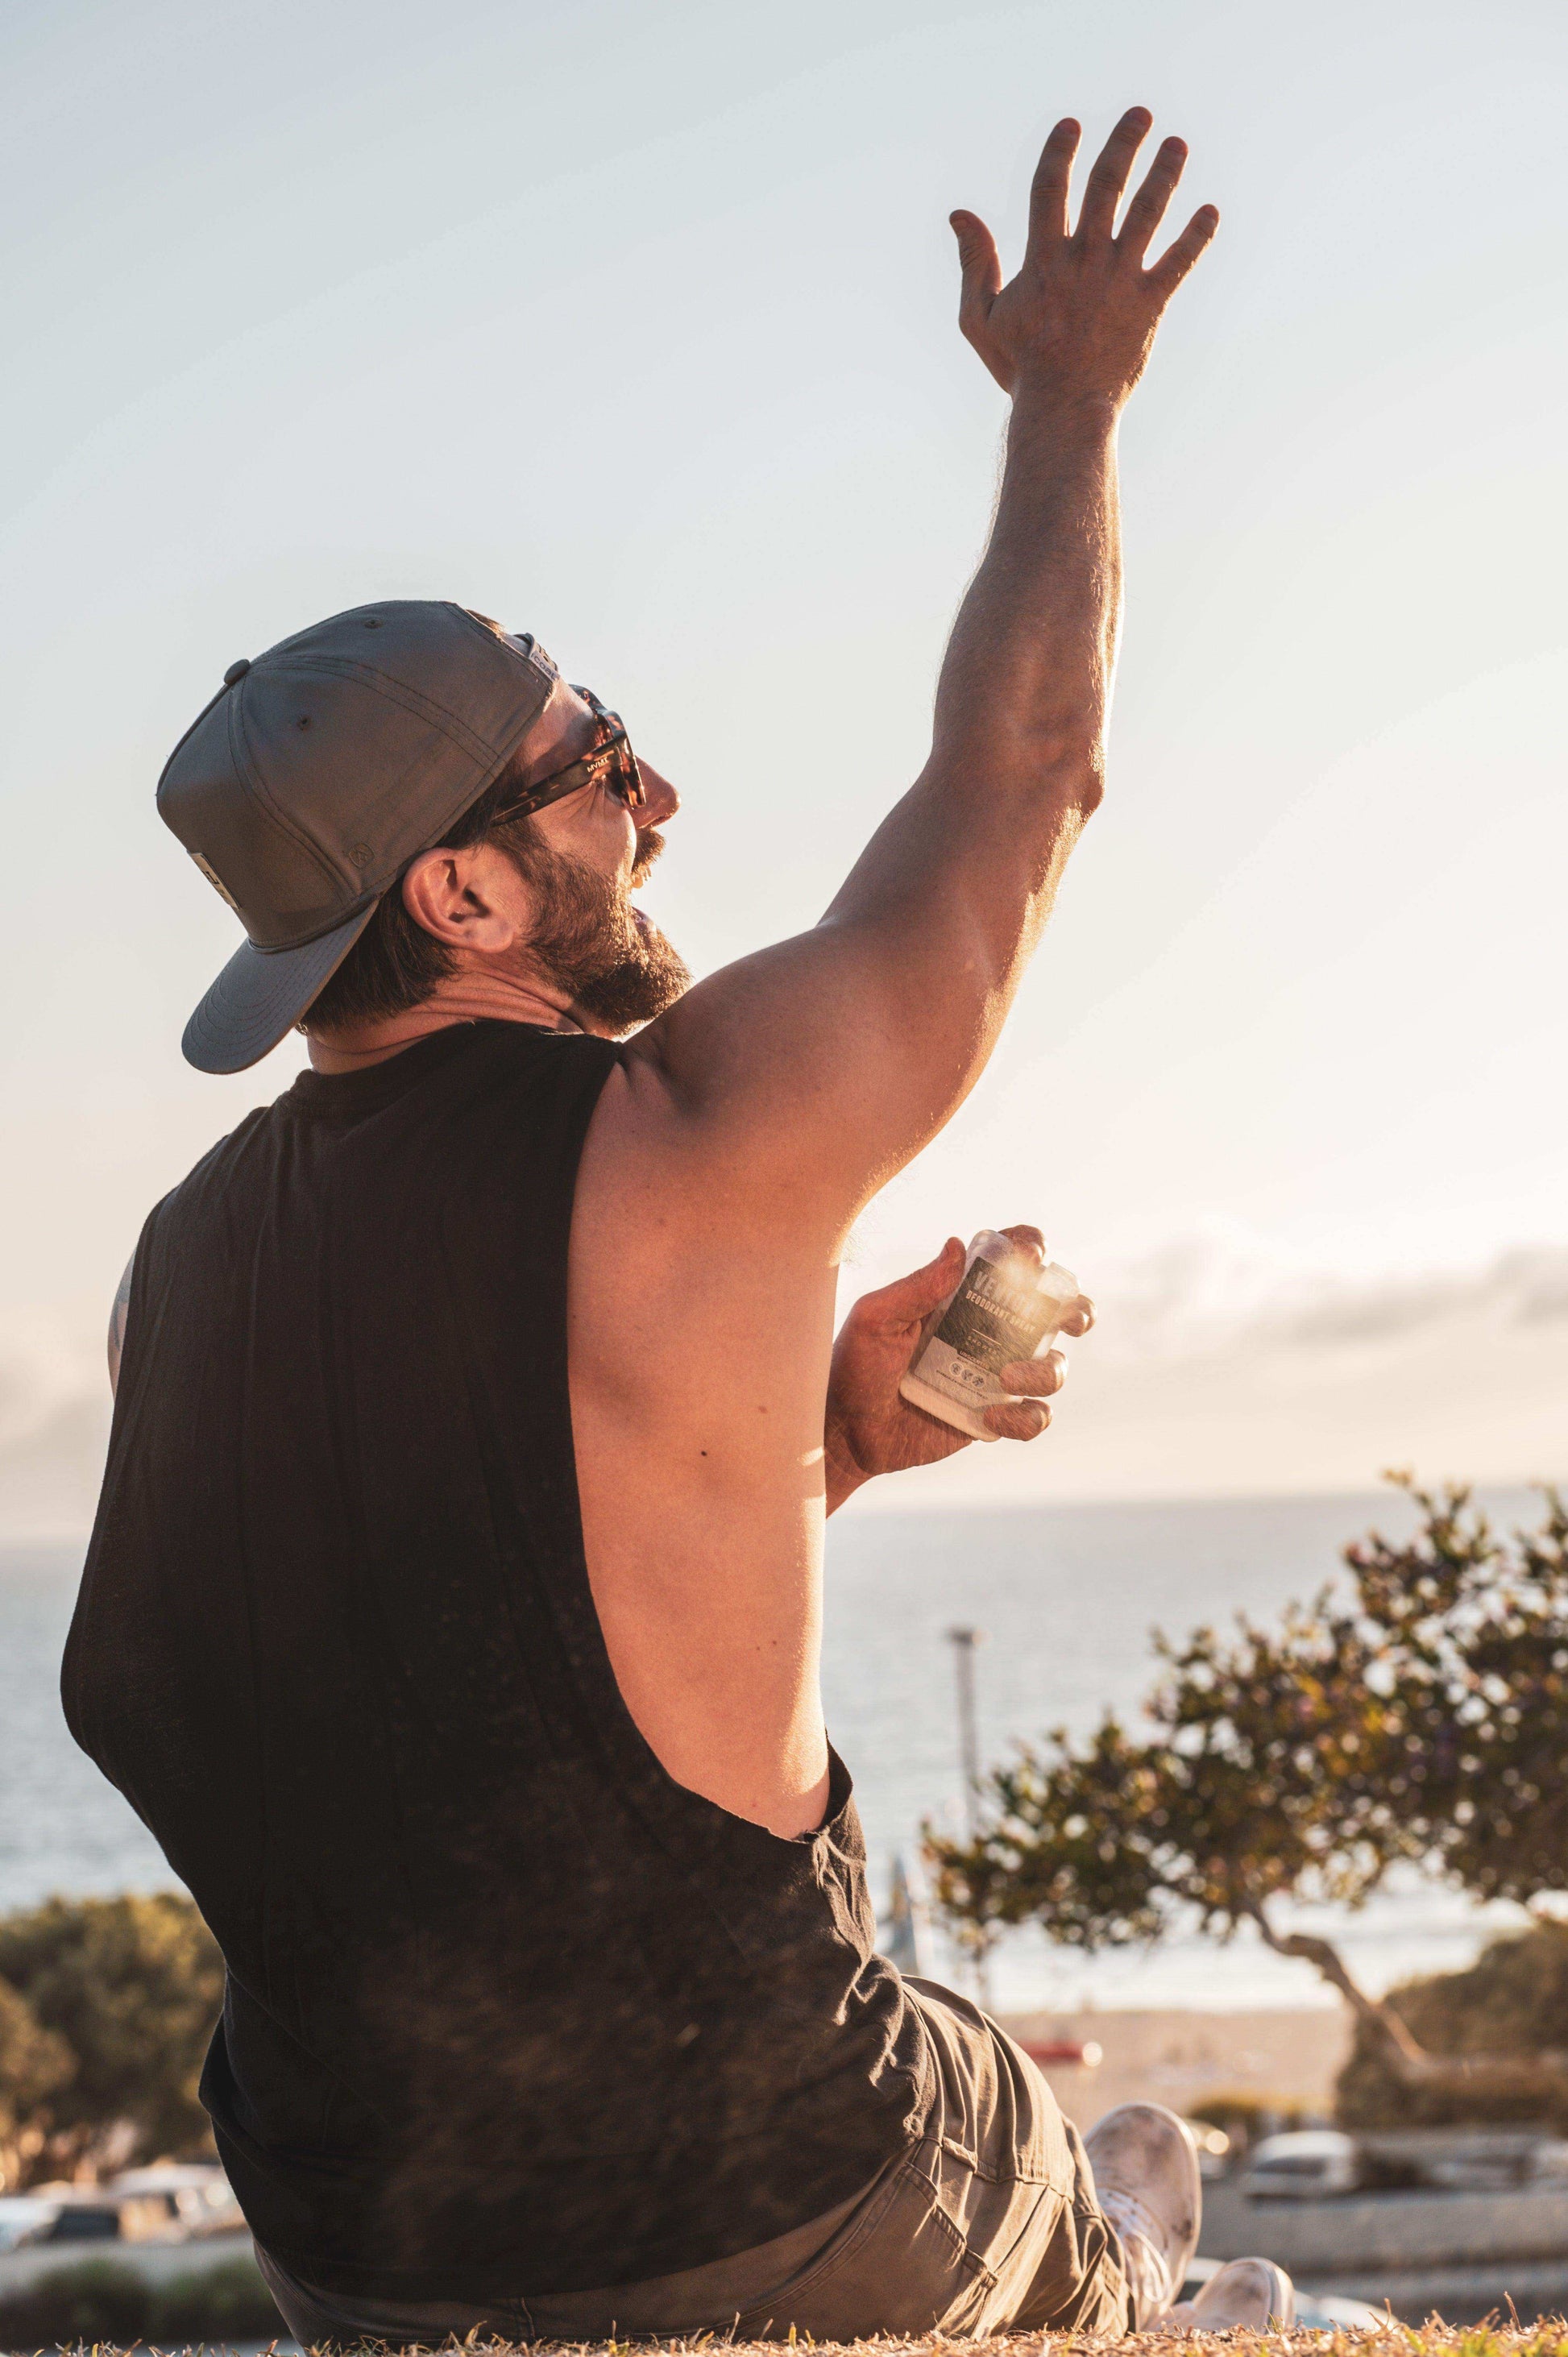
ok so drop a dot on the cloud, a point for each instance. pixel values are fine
(1219, 1295)
(1218, 1366)
(54, 1427)
(51, 1472)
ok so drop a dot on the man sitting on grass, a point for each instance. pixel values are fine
(452, 1615)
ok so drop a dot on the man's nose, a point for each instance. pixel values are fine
(662, 803)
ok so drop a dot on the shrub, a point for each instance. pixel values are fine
(1512, 2002)
(125, 1991)
(99, 2300)
(34, 2065)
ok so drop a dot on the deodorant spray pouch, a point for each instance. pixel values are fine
(1003, 1308)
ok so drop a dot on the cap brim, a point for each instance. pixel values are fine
(260, 994)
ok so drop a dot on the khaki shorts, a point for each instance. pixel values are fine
(988, 2224)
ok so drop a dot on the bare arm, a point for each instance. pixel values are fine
(862, 1037)
(117, 1316)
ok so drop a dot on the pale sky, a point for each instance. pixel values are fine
(634, 326)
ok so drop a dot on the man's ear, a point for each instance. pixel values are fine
(468, 899)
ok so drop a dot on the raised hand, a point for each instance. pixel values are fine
(1080, 316)
(871, 1428)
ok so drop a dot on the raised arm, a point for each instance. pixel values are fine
(859, 1038)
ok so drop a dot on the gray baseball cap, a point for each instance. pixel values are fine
(319, 770)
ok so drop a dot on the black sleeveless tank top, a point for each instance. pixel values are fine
(509, 2010)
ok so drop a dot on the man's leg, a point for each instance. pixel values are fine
(1055, 2255)
(992, 2214)
(1080, 2283)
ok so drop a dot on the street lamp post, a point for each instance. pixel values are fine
(963, 1642)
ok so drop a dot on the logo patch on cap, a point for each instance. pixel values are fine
(216, 882)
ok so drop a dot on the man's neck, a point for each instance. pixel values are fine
(461, 999)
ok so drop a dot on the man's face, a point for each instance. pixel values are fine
(587, 854)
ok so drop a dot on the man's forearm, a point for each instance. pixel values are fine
(1026, 685)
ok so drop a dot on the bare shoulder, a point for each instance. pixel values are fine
(782, 1091)
(692, 1143)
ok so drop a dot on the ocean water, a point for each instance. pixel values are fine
(1065, 1598)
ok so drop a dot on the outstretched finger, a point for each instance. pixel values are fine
(1146, 211)
(981, 266)
(1048, 189)
(1102, 192)
(1177, 260)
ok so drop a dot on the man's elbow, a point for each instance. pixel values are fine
(1061, 755)
(1079, 781)
(1057, 775)
(1058, 758)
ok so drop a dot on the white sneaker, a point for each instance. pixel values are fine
(1146, 2174)
(1255, 2293)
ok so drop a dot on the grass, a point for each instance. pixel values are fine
(1547, 2339)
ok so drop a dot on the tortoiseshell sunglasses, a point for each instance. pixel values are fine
(611, 764)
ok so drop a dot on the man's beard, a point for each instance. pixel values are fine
(613, 964)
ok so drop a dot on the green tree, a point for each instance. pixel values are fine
(1471, 1630)
(1417, 1713)
(126, 1991)
(34, 2065)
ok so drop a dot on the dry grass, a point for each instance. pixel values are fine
(1546, 2339)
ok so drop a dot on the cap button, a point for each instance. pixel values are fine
(236, 671)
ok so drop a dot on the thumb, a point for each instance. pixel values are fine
(981, 267)
(909, 1298)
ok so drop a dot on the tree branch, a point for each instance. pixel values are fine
(1411, 2060)
(1500, 2075)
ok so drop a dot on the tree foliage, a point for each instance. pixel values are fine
(34, 2065)
(1416, 1712)
(106, 2006)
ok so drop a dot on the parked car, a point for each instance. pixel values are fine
(1461, 2159)
(180, 2199)
(1303, 2165)
(167, 2203)
(29, 2219)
